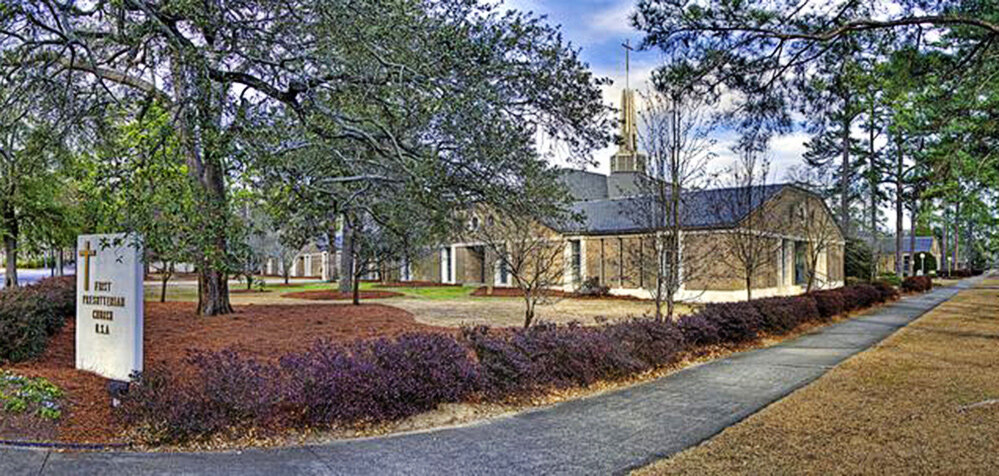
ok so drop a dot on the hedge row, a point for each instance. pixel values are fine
(917, 284)
(337, 385)
(29, 315)
(959, 273)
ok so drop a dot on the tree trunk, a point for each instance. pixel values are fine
(167, 273)
(347, 257)
(331, 271)
(10, 250)
(912, 237)
(811, 273)
(213, 292)
(357, 289)
(749, 287)
(11, 227)
(59, 264)
(898, 213)
(528, 309)
(489, 264)
(844, 180)
(659, 297)
(199, 131)
(957, 236)
(944, 258)
(873, 184)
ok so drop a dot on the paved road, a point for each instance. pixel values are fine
(606, 433)
(31, 276)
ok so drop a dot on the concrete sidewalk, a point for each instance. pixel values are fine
(607, 433)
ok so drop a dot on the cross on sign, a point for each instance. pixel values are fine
(86, 253)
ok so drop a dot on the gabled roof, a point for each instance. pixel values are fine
(702, 210)
(924, 244)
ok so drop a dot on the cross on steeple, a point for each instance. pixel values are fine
(86, 253)
(627, 63)
(628, 159)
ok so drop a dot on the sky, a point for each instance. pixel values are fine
(599, 28)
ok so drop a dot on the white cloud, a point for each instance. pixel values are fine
(611, 22)
(788, 150)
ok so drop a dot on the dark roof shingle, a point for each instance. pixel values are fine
(710, 208)
(924, 244)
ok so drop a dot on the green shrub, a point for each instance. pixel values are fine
(853, 281)
(891, 278)
(29, 315)
(858, 259)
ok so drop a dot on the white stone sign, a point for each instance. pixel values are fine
(109, 297)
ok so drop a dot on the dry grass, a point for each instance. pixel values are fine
(444, 306)
(940, 282)
(509, 312)
(906, 406)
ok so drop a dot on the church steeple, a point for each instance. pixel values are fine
(627, 158)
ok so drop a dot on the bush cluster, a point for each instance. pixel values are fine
(737, 322)
(337, 385)
(591, 287)
(890, 278)
(959, 273)
(29, 315)
(917, 284)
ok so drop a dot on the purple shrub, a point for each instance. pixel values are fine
(335, 384)
(572, 355)
(736, 321)
(418, 372)
(887, 290)
(212, 392)
(862, 296)
(326, 384)
(698, 330)
(917, 284)
(236, 391)
(546, 356)
(377, 380)
(504, 367)
(781, 314)
(830, 303)
(653, 343)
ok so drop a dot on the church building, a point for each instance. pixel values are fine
(601, 246)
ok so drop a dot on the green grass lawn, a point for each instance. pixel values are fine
(429, 292)
(188, 291)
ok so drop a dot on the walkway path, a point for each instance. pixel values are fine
(606, 433)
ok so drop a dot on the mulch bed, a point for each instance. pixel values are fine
(417, 284)
(264, 332)
(516, 292)
(338, 296)
(248, 291)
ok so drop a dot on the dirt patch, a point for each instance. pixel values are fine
(171, 329)
(516, 292)
(912, 405)
(339, 296)
(417, 284)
